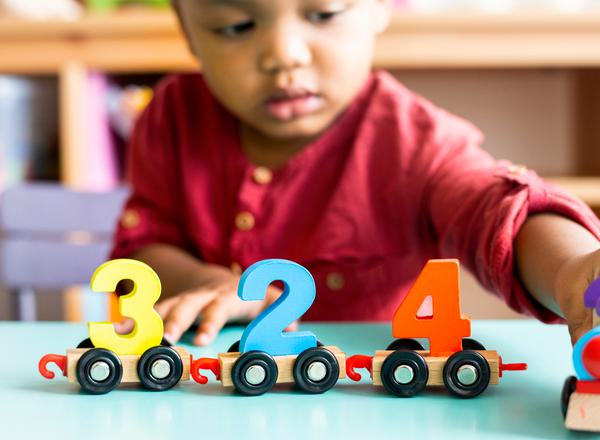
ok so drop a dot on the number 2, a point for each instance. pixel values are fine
(137, 305)
(265, 333)
(439, 280)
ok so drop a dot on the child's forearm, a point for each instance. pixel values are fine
(178, 270)
(544, 244)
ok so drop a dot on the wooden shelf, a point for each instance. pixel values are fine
(586, 188)
(139, 40)
(142, 40)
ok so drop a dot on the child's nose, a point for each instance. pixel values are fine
(284, 49)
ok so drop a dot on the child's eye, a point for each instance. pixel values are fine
(235, 30)
(323, 16)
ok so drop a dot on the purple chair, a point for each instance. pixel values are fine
(52, 237)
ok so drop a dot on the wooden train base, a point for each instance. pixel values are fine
(580, 399)
(476, 369)
(314, 371)
(405, 372)
(581, 404)
(99, 371)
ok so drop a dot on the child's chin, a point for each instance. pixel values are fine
(295, 128)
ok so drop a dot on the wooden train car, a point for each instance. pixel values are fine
(455, 361)
(405, 372)
(315, 370)
(99, 371)
(580, 398)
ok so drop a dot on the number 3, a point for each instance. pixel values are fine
(137, 305)
(265, 333)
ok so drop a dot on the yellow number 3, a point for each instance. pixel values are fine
(137, 305)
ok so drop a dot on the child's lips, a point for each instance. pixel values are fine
(287, 107)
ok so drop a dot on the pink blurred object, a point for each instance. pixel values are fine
(99, 168)
(400, 4)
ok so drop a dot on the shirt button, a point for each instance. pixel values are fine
(517, 170)
(244, 221)
(335, 281)
(236, 268)
(262, 175)
(130, 219)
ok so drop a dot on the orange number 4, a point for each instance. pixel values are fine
(438, 285)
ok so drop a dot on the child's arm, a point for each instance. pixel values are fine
(192, 288)
(476, 207)
(557, 259)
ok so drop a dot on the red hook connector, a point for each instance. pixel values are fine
(510, 367)
(58, 359)
(358, 361)
(204, 364)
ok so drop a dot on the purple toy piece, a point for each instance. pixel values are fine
(591, 297)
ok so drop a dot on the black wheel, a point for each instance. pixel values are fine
(99, 371)
(165, 343)
(466, 374)
(316, 370)
(405, 344)
(254, 373)
(160, 368)
(235, 347)
(565, 396)
(404, 373)
(86, 343)
(472, 344)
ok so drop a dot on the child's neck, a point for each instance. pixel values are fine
(268, 152)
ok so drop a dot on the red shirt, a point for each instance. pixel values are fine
(393, 182)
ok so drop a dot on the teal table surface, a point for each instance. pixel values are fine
(524, 404)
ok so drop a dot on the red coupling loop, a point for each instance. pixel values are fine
(204, 364)
(58, 359)
(358, 361)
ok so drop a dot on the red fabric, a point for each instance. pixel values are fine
(393, 182)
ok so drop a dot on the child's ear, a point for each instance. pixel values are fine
(383, 15)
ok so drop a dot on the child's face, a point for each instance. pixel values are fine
(286, 68)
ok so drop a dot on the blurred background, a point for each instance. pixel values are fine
(74, 75)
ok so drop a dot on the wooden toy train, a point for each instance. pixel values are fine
(266, 355)
(580, 397)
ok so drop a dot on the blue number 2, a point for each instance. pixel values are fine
(265, 333)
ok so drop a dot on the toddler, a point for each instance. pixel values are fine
(287, 145)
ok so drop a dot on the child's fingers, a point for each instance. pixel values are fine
(124, 327)
(214, 317)
(164, 307)
(580, 325)
(292, 327)
(183, 314)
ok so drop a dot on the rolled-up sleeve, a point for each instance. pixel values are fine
(154, 211)
(477, 205)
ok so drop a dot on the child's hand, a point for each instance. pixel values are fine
(572, 280)
(216, 301)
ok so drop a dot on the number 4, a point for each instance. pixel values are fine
(446, 327)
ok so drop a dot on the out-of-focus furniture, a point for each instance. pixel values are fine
(145, 40)
(52, 238)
